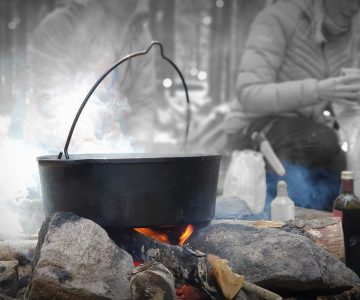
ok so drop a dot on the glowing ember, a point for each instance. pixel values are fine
(168, 235)
(186, 234)
(137, 263)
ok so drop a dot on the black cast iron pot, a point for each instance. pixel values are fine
(131, 190)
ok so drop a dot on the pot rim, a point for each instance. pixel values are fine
(126, 158)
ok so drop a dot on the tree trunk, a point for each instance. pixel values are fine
(7, 63)
(233, 52)
(19, 67)
(3, 33)
(169, 37)
(215, 57)
(162, 27)
(226, 51)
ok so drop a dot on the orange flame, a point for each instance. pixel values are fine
(161, 237)
(186, 234)
(164, 237)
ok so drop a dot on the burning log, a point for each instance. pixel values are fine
(185, 264)
(207, 272)
(152, 280)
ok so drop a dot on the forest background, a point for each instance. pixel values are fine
(205, 38)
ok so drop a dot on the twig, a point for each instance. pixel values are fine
(259, 291)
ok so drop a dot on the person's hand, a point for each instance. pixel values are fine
(340, 88)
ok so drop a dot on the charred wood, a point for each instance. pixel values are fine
(152, 280)
(187, 265)
(206, 272)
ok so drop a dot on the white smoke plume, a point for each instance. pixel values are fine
(21, 209)
(18, 178)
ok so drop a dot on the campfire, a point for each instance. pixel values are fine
(226, 259)
(97, 244)
(168, 235)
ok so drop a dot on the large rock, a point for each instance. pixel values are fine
(275, 259)
(9, 277)
(20, 251)
(75, 259)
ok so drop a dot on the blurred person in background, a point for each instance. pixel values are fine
(289, 82)
(71, 48)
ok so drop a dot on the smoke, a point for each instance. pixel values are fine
(18, 175)
(55, 91)
(308, 187)
(58, 78)
(98, 131)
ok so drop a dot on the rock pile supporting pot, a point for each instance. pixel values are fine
(76, 259)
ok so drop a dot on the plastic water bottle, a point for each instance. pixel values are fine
(282, 207)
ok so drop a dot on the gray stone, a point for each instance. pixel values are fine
(9, 277)
(231, 207)
(274, 259)
(75, 259)
(152, 281)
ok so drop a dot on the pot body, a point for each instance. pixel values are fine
(132, 190)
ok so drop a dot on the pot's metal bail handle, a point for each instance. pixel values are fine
(127, 57)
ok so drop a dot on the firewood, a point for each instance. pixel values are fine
(259, 291)
(230, 283)
(190, 266)
(152, 280)
(187, 265)
(325, 231)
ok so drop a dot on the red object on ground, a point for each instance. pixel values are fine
(137, 263)
(188, 292)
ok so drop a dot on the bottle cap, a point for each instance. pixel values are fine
(347, 175)
(282, 189)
